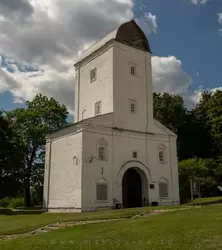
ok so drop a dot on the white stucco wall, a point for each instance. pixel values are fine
(138, 87)
(120, 148)
(92, 171)
(63, 188)
(88, 93)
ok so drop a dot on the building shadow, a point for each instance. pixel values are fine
(8, 211)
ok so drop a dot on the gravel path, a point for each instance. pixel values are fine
(62, 225)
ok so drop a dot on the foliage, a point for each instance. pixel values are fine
(4, 202)
(208, 171)
(8, 202)
(16, 202)
(10, 160)
(41, 117)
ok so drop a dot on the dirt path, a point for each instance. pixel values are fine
(62, 225)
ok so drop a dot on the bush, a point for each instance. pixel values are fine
(6, 211)
(5, 202)
(16, 202)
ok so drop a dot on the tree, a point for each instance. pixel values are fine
(208, 171)
(32, 124)
(209, 115)
(10, 160)
(171, 112)
(214, 117)
(201, 112)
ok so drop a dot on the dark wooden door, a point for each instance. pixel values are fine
(132, 189)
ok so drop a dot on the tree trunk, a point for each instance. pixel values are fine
(28, 177)
(27, 192)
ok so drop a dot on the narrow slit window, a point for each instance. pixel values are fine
(93, 75)
(134, 154)
(98, 108)
(132, 106)
(102, 153)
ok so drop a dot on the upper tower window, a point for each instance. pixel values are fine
(93, 75)
(132, 69)
(98, 108)
(132, 106)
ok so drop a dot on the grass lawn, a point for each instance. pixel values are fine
(12, 224)
(197, 228)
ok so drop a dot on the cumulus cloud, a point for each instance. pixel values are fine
(199, 1)
(50, 35)
(8, 8)
(169, 76)
(220, 18)
(148, 23)
(53, 32)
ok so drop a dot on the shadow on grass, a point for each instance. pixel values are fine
(206, 203)
(8, 211)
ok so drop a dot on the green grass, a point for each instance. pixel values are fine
(208, 200)
(12, 224)
(197, 228)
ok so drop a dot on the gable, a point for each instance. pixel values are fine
(159, 128)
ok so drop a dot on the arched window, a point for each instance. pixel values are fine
(162, 154)
(101, 189)
(163, 188)
(102, 150)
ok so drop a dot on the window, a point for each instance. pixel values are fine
(102, 153)
(132, 70)
(132, 106)
(151, 186)
(163, 189)
(102, 150)
(161, 154)
(98, 110)
(93, 75)
(101, 192)
(134, 154)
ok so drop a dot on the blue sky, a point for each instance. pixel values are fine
(189, 32)
(186, 31)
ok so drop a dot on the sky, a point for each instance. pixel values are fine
(41, 39)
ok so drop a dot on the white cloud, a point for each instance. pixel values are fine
(148, 23)
(220, 18)
(51, 33)
(199, 1)
(169, 76)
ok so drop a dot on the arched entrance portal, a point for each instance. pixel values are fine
(134, 188)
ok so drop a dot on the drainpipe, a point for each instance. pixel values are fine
(49, 172)
(83, 113)
(171, 174)
(147, 163)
